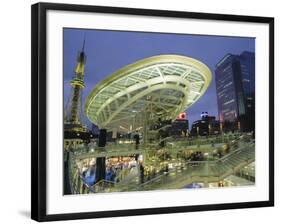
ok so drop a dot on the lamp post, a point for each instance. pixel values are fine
(198, 140)
(239, 127)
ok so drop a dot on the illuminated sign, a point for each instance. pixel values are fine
(204, 114)
(181, 116)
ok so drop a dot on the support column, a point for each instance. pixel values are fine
(100, 162)
(100, 169)
(66, 171)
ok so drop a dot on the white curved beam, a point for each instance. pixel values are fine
(142, 94)
(168, 79)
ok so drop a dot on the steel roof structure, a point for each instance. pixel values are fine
(155, 87)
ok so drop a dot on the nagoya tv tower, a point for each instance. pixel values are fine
(73, 127)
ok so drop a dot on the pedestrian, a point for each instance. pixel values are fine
(137, 139)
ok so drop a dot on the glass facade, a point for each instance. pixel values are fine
(235, 86)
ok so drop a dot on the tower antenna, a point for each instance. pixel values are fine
(84, 43)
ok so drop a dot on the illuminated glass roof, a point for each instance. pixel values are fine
(156, 87)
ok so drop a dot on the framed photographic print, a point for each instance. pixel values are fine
(138, 111)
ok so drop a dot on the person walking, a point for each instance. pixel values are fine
(137, 141)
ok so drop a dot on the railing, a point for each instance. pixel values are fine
(197, 171)
(131, 150)
(202, 140)
(102, 186)
(77, 184)
(173, 144)
(160, 128)
(176, 177)
(201, 171)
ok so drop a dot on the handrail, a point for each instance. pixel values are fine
(190, 142)
(190, 162)
(103, 181)
(221, 163)
(160, 128)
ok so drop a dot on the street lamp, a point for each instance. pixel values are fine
(239, 127)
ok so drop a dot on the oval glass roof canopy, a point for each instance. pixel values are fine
(155, 87)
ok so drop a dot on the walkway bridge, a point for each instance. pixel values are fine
(173, 146)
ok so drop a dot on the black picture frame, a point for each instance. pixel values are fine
(39, 114)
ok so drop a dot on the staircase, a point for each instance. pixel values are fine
(201, 171)
(177, 177)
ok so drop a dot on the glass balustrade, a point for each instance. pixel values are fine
(180, 174)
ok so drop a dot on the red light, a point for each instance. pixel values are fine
(182, 116)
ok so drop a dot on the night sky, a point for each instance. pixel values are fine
(108, 51)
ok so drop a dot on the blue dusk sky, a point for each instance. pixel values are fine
(108, 51)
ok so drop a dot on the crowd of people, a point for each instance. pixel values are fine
(114, 172)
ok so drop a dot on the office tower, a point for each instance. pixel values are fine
(235, 86)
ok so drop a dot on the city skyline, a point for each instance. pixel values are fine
(108, 51)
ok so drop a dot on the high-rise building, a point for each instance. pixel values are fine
(235, 86)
